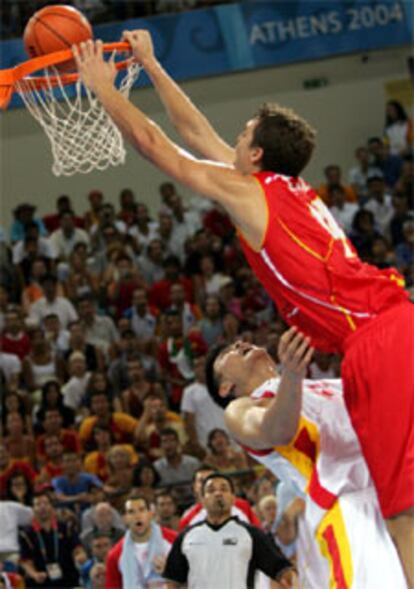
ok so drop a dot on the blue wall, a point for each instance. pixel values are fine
(250, 35)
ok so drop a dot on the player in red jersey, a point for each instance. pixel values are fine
(301, 256)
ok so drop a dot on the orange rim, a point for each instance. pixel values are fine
(10, 77)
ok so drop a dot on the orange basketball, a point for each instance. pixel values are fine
(54, 28)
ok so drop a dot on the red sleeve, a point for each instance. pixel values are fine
(113, 577)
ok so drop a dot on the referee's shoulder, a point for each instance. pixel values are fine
(191, 527)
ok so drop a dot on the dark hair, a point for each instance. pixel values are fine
(359, 215)
(97, 534)
(172, 261)
(95, 393)
(138, 497)
(29, 491)
(165, 493)
(85, 297)
(169, 431)
(43, 492)
(49, 277)
(401, 114)
(372, 140)
(203, 468)
(217, 475)
(212, 380)
(211, 435)
(136, 480)
(6, 394)
(287, 140)
(331, 167)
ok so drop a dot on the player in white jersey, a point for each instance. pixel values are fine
(301, 431)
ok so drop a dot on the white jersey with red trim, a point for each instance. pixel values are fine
(325, 453)
(342, 540)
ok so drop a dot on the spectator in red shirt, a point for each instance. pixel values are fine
(63, 205)
(126, 279)
(127, 212)
(52, 424)
(9, 467)
(160, 293)
(54, 454)
(14, 339)
(17, 441)
(218, 222)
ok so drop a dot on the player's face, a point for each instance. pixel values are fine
(247, 156)
(237, 362)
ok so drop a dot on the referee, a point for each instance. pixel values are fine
(222, 552)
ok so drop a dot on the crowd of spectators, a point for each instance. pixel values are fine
(14, 15)
(105, 321)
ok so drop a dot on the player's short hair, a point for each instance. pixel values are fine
(287, 140)
(212, 378)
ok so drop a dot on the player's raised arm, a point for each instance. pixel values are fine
(274, 422)
(237, 192)
(190, 123)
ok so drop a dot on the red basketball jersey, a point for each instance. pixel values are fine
(311, 270)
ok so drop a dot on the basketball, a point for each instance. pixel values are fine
(54, 28)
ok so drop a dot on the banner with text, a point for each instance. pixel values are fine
(261, 33)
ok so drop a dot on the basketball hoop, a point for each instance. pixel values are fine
(82, 136)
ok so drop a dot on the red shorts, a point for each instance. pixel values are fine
(378, 378)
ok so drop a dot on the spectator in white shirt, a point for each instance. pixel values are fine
(52, 303)
(379, 203)
(75, 388)
(176, 467)
(143, 321)
(342, 211)
(11, 367)
(200, 413)
(58, 337)
(185, 221)
(151, 261)
(171, 238)
(12, 516)
(63, 240)
(358, 175)
(32, 244)
(143, 229)
(99, 331)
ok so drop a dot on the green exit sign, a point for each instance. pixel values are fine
(313, 83)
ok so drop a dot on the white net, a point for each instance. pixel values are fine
(82, 136)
